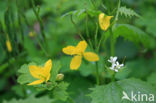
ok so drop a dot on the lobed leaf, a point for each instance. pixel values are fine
(133, 34)
(112, 93)
(127, 12)
(55, 70)
(60, 92)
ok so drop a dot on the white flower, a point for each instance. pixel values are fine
(112, 60)
(115, 64)
(118, 66)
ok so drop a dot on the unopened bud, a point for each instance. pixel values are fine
(59, 77)
(32, 34)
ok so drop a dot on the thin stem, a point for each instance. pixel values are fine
(36, 12)
(98, 46)
(112, 36)
(40, 44)
(112, 43)
(87, 31)
(39, 19)
(111, 32)
(96, 33)
(77, 28)
(97, 74)
(20, 21)
(117, 14)
(113, 77)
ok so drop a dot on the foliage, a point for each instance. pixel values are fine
(38, 30)
(127, 12)
(31, 99)
(60, 92)
(113, 92)
(133, 34)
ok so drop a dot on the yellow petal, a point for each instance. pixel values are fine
(9, 47)
(47, 68)
(91, 56)
(48, 77)
(36, 71)
(81, 47)
(36, 82)
(104, 21)
(70, 50)
(75, 62)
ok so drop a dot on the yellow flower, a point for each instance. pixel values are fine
(78, 52)
(41, 73)
(104, 21)
(8, 44)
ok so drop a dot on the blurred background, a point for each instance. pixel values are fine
(20, 25)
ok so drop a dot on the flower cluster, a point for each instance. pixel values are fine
(42, 74)
(115, 64)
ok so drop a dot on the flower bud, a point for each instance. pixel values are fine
(59, 77)
(32, 34)
(8, 44)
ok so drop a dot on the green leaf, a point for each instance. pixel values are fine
(140, 68)
(31, 99)
(25, 76)
(113, 92)
(133, 34)
(60, 92)
(55, 70)
(82, 12)
(148, 22)
(30, 47)
(127, 12)
(74, 13)
(151, 79)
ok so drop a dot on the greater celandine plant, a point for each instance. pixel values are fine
(43, 73)
(48, 77)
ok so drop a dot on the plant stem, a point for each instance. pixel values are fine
(117, 14)
(112, 36)
(36, 12)
(20, 21)
(97, 74)
(39, 19)
(96, 33)
(87, 31)
(113, 77)
(111, 32)
(112, 43)
(40, 44)
(77, 28)
(98, 46)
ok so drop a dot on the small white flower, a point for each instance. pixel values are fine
(115, 64)
(116, 70)
(112, 60)
(118, 66)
